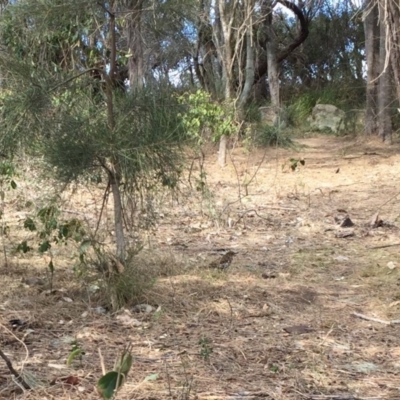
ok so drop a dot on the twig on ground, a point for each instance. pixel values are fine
(20, 379)
(381, 321)
(384, 246)
(340, 397)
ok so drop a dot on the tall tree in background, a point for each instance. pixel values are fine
(237, 46)
(372, 44)
(382, 55)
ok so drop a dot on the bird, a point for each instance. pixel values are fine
(224, 262)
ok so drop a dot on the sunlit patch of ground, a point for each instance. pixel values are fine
(282, 323)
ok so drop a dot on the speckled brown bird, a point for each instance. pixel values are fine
(224, 262)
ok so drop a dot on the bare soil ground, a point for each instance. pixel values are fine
(284, 322)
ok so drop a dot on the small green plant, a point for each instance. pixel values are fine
(203, 114)
(294, 163)
(109, 384)
(52, 230)
(76, 352)
(274, 368)
(7, 173)
(205, 349)
(267, 135)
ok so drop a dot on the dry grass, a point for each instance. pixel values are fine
(234, 334)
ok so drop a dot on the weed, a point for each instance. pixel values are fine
(205, 349)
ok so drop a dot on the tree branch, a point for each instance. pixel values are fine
(302, 35)
(13, 371)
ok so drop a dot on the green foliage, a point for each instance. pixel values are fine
(76, 352)
(51, 230)
(252, 113)
(300, 107)
(126, 287)
(204, 114)
(109, 384)
(205, 348)
(295, 163)
(266, 135)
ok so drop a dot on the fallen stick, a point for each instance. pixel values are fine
(381, 321)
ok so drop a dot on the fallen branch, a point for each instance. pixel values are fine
(13, 371)
(384, 246)
(381, 321)
(340, 397)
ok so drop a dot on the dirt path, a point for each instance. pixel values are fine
(280, 323)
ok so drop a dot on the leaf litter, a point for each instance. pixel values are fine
(282, 322)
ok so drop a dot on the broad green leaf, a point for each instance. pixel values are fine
(107, 384)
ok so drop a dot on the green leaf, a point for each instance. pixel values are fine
(84, 245)
(124, 364)
(13, 184)
(44, 246)
(73, 354)
(107, 384)
(30, 224)
(51, 267)
(23, 246)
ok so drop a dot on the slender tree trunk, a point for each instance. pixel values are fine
(118, 216)
(273, 65)
(384, 90)
(371, 29)
(135, 47)
(250, 63)
(394, 28)
(224, 15)
(112, 166)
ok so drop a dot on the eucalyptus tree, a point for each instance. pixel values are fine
(380, 47)
(65, 95)
(238, 46)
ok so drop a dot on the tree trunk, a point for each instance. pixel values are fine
(394, 28)
(371, 29)
(135, 48)
(224, 17)
(112, 166)
(249, 68)
(384, 92)
(273, 65)
(118, 217)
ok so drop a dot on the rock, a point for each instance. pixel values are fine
(327, 117)
(273, 117)
(355, 121)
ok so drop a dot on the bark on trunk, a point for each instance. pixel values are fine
(112, 166)
(394, 28)
(249, 74)
(384, 117)
(371, 29)
(273, 65)
(118, 217)
(135, 47)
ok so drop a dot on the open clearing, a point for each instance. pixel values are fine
(279, 324)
